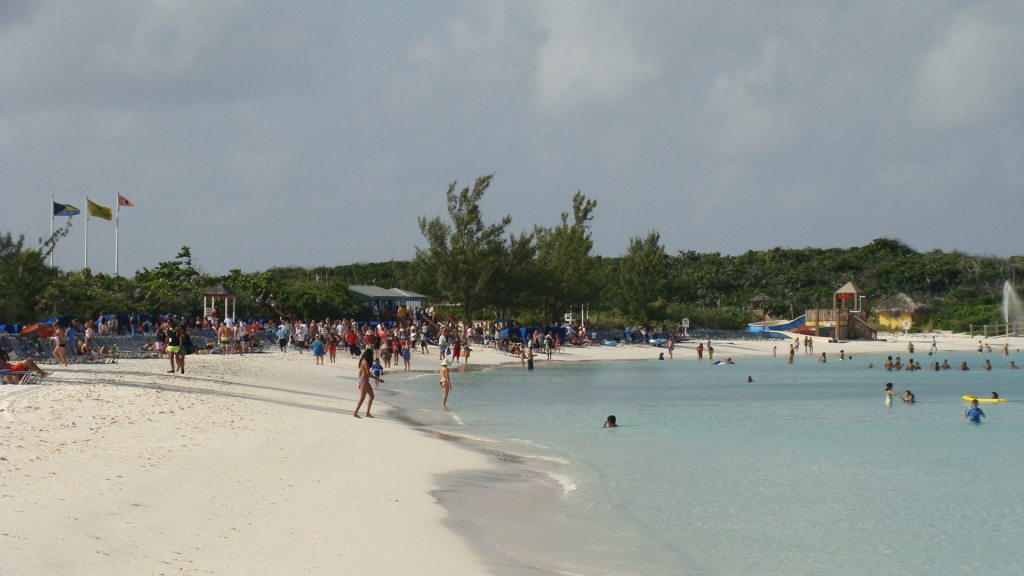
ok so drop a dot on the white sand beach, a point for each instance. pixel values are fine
(252, 465)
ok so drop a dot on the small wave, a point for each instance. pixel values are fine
(458, 420)
(566, 482)
(555, 459)
(466, 436)
(529, 443)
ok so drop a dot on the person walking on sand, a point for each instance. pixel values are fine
(185, 347)
(792, 351)
(671, 347)
(711, 352)
(224, 338)
(774, 350)
(935, 346)
(60, 342)
(446, 381)
(700, 351)
(172, 344)
(318, 350)
(332, 347)
(365, 361)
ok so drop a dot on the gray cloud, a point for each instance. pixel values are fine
(268, 134)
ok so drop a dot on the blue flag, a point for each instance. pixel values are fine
(65, 210)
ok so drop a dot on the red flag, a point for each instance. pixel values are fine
(122, 201)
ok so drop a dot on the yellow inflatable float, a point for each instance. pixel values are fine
(969, 398)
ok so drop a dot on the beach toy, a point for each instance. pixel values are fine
(980, 400)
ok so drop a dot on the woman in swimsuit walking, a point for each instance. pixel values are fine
(446, 381)
(364, 382)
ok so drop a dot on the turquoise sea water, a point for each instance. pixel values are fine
(804, 471)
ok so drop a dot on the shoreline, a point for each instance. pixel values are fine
(156, 470)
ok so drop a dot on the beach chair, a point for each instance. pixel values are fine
(25, 349)
(20, 378)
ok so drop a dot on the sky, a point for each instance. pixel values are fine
(313, 133)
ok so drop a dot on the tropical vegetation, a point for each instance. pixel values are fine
(485, 272)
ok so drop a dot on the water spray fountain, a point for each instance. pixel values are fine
(1013, 312)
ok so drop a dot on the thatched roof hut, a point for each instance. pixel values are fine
(900, 303)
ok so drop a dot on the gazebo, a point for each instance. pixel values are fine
(216, 292)
(757, 304)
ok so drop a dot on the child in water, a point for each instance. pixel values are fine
(889, 393)
(610, 422)
(973, 413)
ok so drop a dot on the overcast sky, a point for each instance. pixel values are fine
(278, 133)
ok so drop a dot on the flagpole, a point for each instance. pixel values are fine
(117, 227)
(86, 231)
(51, 229)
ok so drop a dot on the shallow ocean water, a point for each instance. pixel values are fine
(803, 471)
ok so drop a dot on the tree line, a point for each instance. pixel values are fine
(484, 271)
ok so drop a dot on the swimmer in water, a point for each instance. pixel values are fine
(726, 361)
(661, 356)
(1013, 366)
(987, 365)
(973, 413)
(945, 365)
(994, 396)
(823, 359)
(870, 365)
(610, 422)
(908, 397)
(749, 379)
(889, 393)
(842, 355)
(963, 366)
(888, 364)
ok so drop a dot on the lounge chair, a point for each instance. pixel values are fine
(20, 378)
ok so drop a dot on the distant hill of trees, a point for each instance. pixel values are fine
(533, 277)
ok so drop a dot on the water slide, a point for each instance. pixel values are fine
(777, 325)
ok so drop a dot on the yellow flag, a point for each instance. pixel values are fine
(97, 211)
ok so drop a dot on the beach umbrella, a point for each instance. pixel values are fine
(38, 330)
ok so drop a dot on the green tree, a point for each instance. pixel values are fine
(462, 258)
(643, 279)
(514, 283)
(566, 269)
(25, 276)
